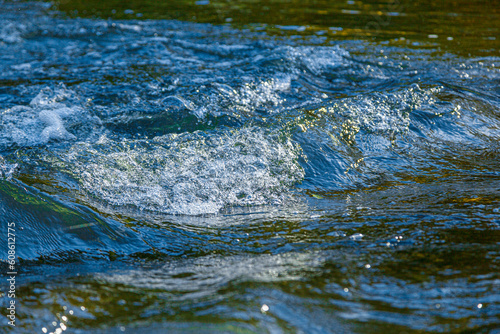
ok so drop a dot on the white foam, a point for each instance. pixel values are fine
(46, 119)
(318, 59)
(264, 94)
(7, 170)
(11, 32)
(192, 173)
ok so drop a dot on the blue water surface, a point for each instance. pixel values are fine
(168, 176)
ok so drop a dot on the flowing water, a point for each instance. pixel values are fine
(251, 167)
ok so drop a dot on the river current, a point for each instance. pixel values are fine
(174, 176)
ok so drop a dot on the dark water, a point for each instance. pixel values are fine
(241, 167)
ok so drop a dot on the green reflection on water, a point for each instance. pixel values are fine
(458, 26)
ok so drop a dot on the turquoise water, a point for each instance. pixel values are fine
(175, 176)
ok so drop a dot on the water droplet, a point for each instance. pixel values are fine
(264, 308)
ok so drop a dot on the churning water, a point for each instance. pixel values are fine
(167, 176)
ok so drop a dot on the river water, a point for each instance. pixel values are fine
(251, 168)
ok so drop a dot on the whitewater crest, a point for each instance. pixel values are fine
(54, 115)
(11, 33)
(317, 60)
(7, 170)
(191, 173)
